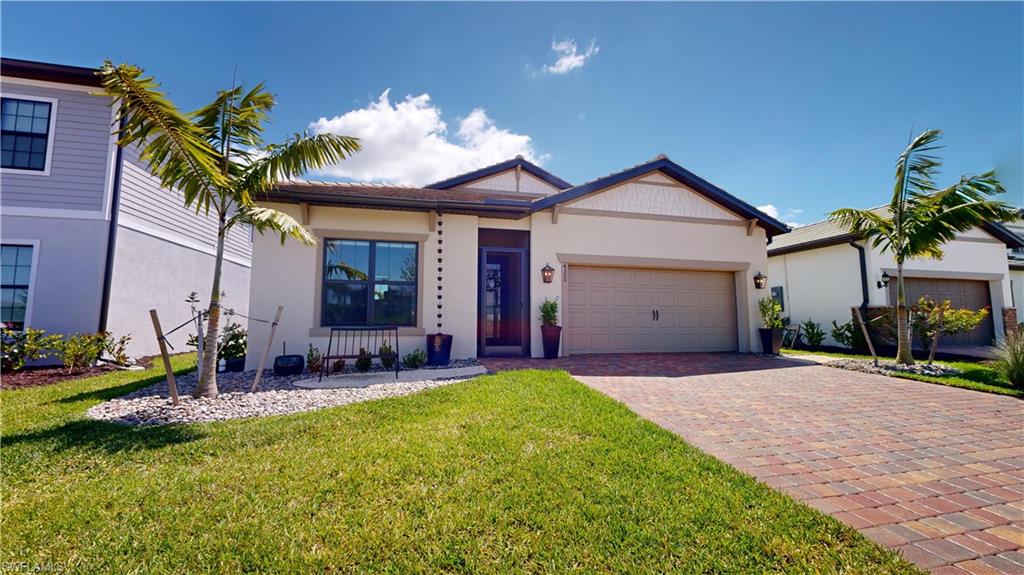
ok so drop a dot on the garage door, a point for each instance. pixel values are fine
(613, 310)
(971, 294)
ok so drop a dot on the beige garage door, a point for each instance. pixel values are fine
(973, 294)
(612, 310)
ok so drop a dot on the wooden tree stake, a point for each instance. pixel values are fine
(266, 349)
(864, 330)
(172, 385)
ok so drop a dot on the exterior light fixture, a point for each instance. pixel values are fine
(884, 283)
(760, 280)
(548, 273)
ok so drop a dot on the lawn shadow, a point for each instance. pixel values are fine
(106, 393)
(104, 436)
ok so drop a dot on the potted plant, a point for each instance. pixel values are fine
(388, 357)
(233, 347)
(771, 333)
(550, 331)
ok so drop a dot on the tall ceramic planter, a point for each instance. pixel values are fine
(439, 349)
(551, 336)
(771, 340)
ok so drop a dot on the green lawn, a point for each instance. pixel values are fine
(979, 376)
(519, 472)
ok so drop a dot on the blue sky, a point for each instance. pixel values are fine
(804, 106)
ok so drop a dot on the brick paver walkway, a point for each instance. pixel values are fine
(934, 472)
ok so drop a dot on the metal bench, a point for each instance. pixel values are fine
(346, 342)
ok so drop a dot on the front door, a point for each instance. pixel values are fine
(503, 316)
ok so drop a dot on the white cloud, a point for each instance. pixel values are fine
(569, 56)
(407, 142)
(790, 214)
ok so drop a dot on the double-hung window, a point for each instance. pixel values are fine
(369, 283)
(16, 272)
(25, 134)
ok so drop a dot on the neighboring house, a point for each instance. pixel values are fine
(821, 271)
(90, 240)
(1016, 257)
(650, 259)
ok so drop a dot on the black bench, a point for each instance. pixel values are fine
(346, 343)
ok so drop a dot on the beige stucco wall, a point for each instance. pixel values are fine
(824, 283)
(286, 274)
(1017, 280)
(820, 285)
(643, 242)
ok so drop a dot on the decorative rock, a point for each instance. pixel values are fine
(888, 367)
(276, 396)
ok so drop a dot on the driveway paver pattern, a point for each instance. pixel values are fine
(934, 472)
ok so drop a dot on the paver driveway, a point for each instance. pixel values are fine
(935, 472)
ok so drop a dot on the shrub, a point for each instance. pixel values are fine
(313, 359)
(415, 359)
(931, 320)
(365, 361)
(117, 349)
(812, 333)
(1010, 359)
(549, 312)
(81, 350)
(337, 366)
(232, 342)
(387, 355)
(20, 347)
(843, 334)
(771, 312)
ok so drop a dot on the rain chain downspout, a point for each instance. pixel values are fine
(439, 345)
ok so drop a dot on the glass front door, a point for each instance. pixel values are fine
(503, 313)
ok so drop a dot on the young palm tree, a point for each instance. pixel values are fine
(921, 217)
(217, 158)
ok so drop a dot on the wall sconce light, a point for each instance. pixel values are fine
(760, 280)
(884, 283)
(548, 273)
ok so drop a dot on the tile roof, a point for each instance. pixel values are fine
(527, 166)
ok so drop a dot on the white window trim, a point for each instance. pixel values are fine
(31, 275)
(51, 133)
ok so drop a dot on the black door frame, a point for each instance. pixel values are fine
(524, 254)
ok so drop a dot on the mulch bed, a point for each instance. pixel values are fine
(35, 376)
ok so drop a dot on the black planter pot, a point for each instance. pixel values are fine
(550, 335)
(235, 364)
(439, 349)
(771, 340)
(285, 365)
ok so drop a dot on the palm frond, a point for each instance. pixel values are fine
(174, 148)
(301, 153)
(234, 119)
(267, 219)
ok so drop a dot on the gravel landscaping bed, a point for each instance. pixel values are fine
(276, 396)
(892, 368)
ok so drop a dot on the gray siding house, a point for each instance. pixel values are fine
(90, 241)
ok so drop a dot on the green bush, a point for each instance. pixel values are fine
(771, 312)
(387, 355)
(1010, 359)
(812, 332)
(549, 312)
(81, 350)
(415, 359)
(365, 361)
(313, 359)
(20, 347)
(232, 342)
(117, 349)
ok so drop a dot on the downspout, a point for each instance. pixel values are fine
(115, 202)
(863, 274)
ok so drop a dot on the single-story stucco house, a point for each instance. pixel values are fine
(652, 258)
(820, 271)
(1016, 257)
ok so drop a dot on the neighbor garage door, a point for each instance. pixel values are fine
(971, 294)
(613, 310)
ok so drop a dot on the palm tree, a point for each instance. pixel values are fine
(921, 217)
(217, 158)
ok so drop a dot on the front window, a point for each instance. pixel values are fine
(25, 134)
(369, 283)
(16, 270)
